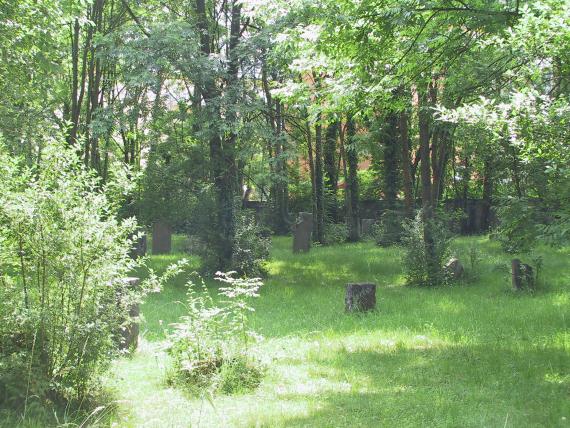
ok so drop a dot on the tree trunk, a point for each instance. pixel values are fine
(427, 207)
(222, 153)
(331, 170)
(311, 170)
(352, 183)
(406, 164)
(390, 161)
(487, 193)
(319, 188)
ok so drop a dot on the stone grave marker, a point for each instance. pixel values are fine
(161, 238)
(366, 225)
(302, 231)
(360, 297)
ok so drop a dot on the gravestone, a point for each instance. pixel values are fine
(161, 238)
(522, 275)
(360, 297)
(366, 225)
(139, 247)
(302, 231)
(454, 269)
(129, 337)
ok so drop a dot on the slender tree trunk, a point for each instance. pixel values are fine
(427, 206)
(406, 164)
(353, 218)
(72, 137)
(390, 161)
(311, 170)
(319, 188)
(487, 192)
(331, 170)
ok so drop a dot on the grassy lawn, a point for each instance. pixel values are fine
(469, 355)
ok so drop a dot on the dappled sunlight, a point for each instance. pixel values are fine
(437, 348)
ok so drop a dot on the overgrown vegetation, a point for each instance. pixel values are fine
(424, 261)
(211, 345)
(63, 261)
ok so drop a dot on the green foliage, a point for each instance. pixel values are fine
(251, 246)
(390, 228)
(63, 258)
(210, 346)
(517, 231)
(368, 184)
(424, 266)
(335, 233)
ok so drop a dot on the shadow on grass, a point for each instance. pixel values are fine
(449, 386)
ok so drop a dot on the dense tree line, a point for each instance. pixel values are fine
(205, 100)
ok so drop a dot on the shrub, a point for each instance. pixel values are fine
(517, 231)
(390, 229)
(210, 345)
(335, 233)
(63, 255)
(421, 268)
(251, 246)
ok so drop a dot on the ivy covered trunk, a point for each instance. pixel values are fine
(222, 147)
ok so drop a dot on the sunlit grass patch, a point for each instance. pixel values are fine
(472, 354)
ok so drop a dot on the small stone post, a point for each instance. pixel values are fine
(360, 297)
(129, 337)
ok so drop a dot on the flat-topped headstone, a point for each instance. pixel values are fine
(129, 337)
(360, 297)
(302, 231)
(366, 225)
(161, 238)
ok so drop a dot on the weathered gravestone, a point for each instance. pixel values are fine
(302, 231)
(129, 337)
(522, 275)
(454, 269)
(139, 247)
(161, 238)
(366, 225)
(360, 297)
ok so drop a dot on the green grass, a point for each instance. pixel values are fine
(475, 354)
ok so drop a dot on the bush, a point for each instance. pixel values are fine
(210, 345)
(252, 243)
(63, 255)
(390, 230)
(335, 233)
(421, 268)
(251, 246)
(518, 219)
